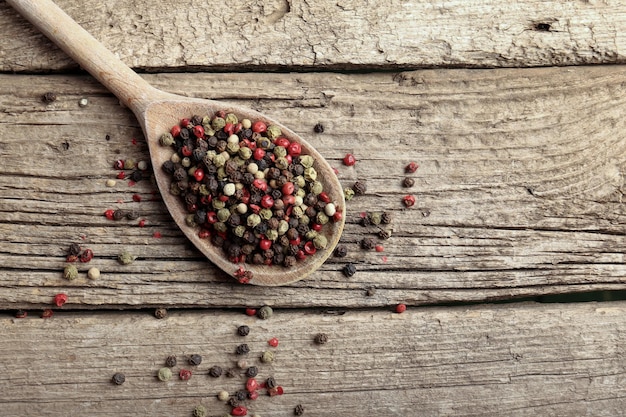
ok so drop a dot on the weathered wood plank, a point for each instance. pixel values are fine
(519, 190)
(331, 34)
(521, 360)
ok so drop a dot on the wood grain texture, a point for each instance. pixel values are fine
(517, 360)
(300, 34)
(519, 192)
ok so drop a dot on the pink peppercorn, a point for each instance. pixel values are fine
(198, 131)
(294, 149)
(411, 167)
(109, 214)
(184, 374)
(252, 385)
(136, 198)
(60, 299)
(349, 160)
(273, 342)
(400, 308)
(259, 126)
(250, 311)
(408, 200)
(239, 411)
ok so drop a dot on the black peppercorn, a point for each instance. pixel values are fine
(367, 243)
(252, 371)
(170, 361)
(136, 176)
(408, 182)
(349, 269)
(359, 187)
(243, 330)
(160, 313)
(195, 360)
(242, 349)
(118, 378)
(119, 214)
(73, 250)
(318, 128)
(298, 410)
(215, 371)
(341, 251)
(321, 338)
(241, 395)
(49, 97)
(233, 402)
(384, 234)
(270, 382)
(132, 215)
(385, 218)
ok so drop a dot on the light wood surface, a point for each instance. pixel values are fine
(519, 194)
(523, 360)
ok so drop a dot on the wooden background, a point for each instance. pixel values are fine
(515, 116)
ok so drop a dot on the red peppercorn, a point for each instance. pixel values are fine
(157, 235)
(259, 126)
(229, 128)
(267, 201)
(253, 395)
(60, 299)
(121, 175)
(239, 411)
(142, 223)
(136, 198)
(301, 255)
(238, 127)
(282, 141)
(324, 197)
(175, 131)
(184, 374)
(211, 217)
(71, 258)
(265, 244)
(260, 184)
(275, 391)
(250, 311)
(21, 314)
(400, 308)
(109, 214)
(289, 200)
(337, 216)
(186, 151)
(309, 248)
(47, 313)
(273, 342)
(119, 164)
(316, 226)
(411, 167)
(198, 174)
(294, 149)
(288, 188)
(258, 154)
(185, 122)
(349, 160)
(408, 200)
(252, 385)
(379, 248)
(198, 131)
(86, 256)
(204, 234)
(295, 242)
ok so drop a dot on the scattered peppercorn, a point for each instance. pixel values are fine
(86, 256)
(242, 364)
(21, 314)
(47, 313)
(215, 371)
(408, 200)
(60, 299)
(321, 338)
(270, 382)
(200, 411)
(250, 311)
(384, 234)
(400, 308)
(110, 183)
(239, 411)
(243, 330)
(298, 410)
(349, 269)
(49, 97)
(125, 258)
(164, 374)
(160, 313)
(230, 373)
(184, 374)
(367, 243)
(70, 272)
(170, 361)
(265, 312)
(223, 395)
(408, 182)
(411, 167)
(118, 378)
(267, 356)
(349, 160)
(273, 342)
(318, 128)
(195, 360)
(252, 371)
(385, 218)
(370, 291)
(83, 102)
(359, 187)
(341, 251)
(242, 349)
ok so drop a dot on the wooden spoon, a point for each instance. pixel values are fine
(157, 111)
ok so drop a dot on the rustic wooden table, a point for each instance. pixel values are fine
(515, 119)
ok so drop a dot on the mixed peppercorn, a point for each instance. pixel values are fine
(249, 189)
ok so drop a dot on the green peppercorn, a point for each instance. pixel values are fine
(217, 123)
(164, 374)
(267, 356)
(376, 218)
(200, 411)
(271, 235)
(70, 272)
(265, 312)
(273, 132)
(253, 220)
(320, 242)
(166, 139)
(310, 174)
(126, 258)
(348, 193)
(129, 163)
(307, 161)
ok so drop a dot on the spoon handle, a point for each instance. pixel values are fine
(132, 90)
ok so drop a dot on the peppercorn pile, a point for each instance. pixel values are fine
(248, 189)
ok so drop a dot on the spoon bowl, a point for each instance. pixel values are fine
(157, 111)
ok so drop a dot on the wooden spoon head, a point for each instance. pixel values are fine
(161, 115)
